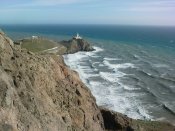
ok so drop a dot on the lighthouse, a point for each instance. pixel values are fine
(78, 37)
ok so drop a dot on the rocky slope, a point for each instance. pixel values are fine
(75, 45)
(40, 93)
(114, 121)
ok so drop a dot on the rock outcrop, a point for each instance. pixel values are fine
(40, 93)
(75, 45)
(114, 121)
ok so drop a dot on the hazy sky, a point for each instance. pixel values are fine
(130, 12)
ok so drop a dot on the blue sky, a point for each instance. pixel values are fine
(126, 12)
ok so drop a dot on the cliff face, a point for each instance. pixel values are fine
(75, 45)
(39, 93)
(114, 121)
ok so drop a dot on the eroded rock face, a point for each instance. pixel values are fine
(114, 121)
(39, 93)
(75, 45)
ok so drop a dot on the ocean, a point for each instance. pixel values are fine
(132, 70)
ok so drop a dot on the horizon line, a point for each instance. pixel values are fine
(90, 24)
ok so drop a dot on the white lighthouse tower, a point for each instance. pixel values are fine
(78, 37)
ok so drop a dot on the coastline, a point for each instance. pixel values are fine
(82, 46)
(33, 81)
(89, 74)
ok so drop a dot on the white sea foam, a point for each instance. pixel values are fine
(76, 61)
(118, 66)
(136, 56)
(101, 65)
(111, 59)
(94, 63)
(98, 49)
(124, 103)
(111, 77)
(81, 54)
(95, 56)
(130, 88)
(110, 92)
(160, 65)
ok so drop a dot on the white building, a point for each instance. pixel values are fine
(34, 37)
(78, 37)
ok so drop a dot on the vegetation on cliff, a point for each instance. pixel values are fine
(44, 45)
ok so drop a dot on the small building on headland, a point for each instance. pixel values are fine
(77, 37)
(35, 37)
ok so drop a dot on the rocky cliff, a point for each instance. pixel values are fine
(75, 45)
(40, 93)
